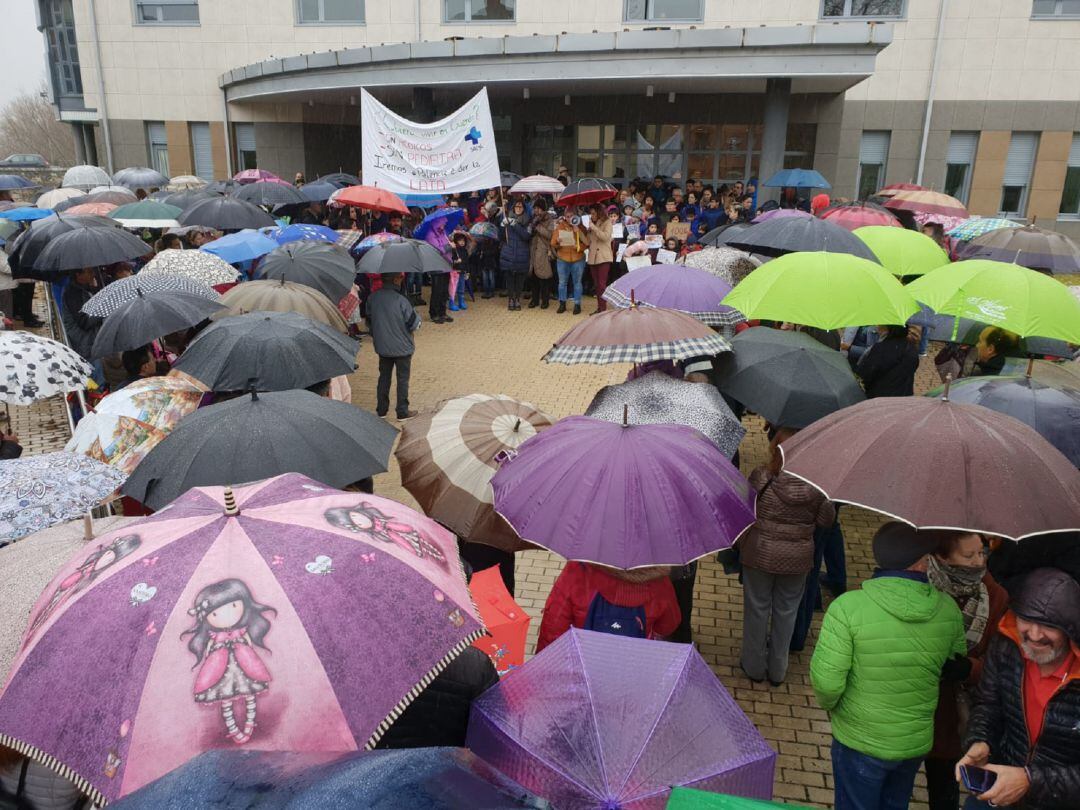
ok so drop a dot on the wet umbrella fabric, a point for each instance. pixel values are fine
(52, 198)
(657, 399)
(197, 265)
(242, 246)
(675, 286)
(730, 264)
(903, 252)
(797, 178)
(34, 367)
(630, 496)
(798, 234)
(372, 198)
(14, 182)
(89, 247)
(25, 214)
(28, 245)
(927, 202)
(93, 209)
(407, 256)
(226, 214)
(283, 296)
(563, 725)
(149, 316)
(987, 456)
(1027, 246)
(302, 233)
(271, 193)
(187, 198)
(339, 179)
(185, 182)
(272, 351)
(690, 799)
(509, 178)
(248, 176)
(449, 217)
(140, 177)
(318, 192)
(586, 191)
(325, 268)
(356, 602)
(113, 196)
(788, 378)
(537, 184)
(854, 215)
(362, 246)
(977, 226)
(719, 236)
(780, 213)
(147, 214)
(485, 230)
(85, 177)
(966, 331)
(114, 295)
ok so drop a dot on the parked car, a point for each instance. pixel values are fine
(25, 161)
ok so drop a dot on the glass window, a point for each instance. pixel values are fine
(588, 137)
(957, 180)
(699, 166)
(959, 158)
(157, 146)
(732, 167)
(873, 155)
(661, 10)
(166, 12)
(616, 137)
(862, 8)
(588, 164)
(1070, 194)
(245, 146)
(704, 136)
(330, 11)
(1019, 164)
(1055, 8)
(478, 10)
(58, 23)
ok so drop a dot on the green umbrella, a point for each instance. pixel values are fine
(903, 252)
(1007, 295)
(146, 214)
(826, 290)
(689, 799)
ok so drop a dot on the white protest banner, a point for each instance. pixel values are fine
(454, 154)
(666, 256)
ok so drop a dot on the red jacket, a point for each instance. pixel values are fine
(568, 603)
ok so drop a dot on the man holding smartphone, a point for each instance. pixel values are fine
(1024, 730)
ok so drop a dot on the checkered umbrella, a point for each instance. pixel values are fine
(977, 226)
(113, 296)
(196, 265)
(636, 335)
(675, 286)
(348, 239)
(32, 368)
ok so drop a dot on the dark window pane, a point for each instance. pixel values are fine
(801, 138)
(1070, 195)
(587, 164)
(955, 175)
(834, 8)
(876, 8)
(343, 11)
(492, 9)
(1011, 197)
(868, 179)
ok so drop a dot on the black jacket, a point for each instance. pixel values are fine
(440, 714)
(81, 328)
(888, 368)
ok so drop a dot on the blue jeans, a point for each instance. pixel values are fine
(569, 270)
(863, 782)
(924, 340)
(414, 283)
(488, 279)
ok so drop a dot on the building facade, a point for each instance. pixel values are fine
(979, 98)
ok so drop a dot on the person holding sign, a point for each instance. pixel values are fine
(599, 252)
(569, 239)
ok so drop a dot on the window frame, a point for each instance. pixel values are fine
(661, 20)
(298, 20)
(470, 21)
(1025, 189)
(1056, 14)
(901, 15)
(240, 152)
(138, 20)
(152, 145)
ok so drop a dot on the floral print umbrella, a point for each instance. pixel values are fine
(287, 617)
(37, 492)
(197, 265)
(32, 368)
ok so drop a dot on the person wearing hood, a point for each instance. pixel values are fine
(1026, 714)
(877, 669)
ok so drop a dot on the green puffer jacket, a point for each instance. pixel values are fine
(878, 662)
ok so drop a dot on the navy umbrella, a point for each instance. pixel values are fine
(408, 256)
(226, 214)
(267, 192)
(338, 179)
(149, 316)
(13, 182)
(782, 235)
(90, 246)
(321, 266)
(453, 217)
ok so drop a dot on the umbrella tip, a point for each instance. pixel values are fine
(1031, 366)
(231, 509)
(517, 425)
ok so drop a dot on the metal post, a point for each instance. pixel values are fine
(103, 106)
(52, 311)
(930, 91)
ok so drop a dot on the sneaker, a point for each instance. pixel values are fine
(381, 415)
(463, 306)
(452, 307)
(408, 415)
(562, 308)
(577, 309)
(510, 304)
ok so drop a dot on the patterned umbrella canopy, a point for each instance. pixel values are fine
(537, 184)
(376, 239)
(1028, 246)
(197, 265)
(675, 286)
(254, 176)
(301, 232)
(117, 293)
(185, 182)
(449, 455)
(51, 198)
(271, 193)
(927, 202)
(977, 226)
(728, 263)
(33, 368)
(141, 177)
(350, 605)
(128, 424)
(85, 177)
(896, 188)
(37, 492)
(657, 399)
(486, 230)
(283, 296)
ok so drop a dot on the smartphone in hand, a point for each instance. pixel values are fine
(977, 780)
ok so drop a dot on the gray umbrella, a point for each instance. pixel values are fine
(140, 177)
(186, 199)
(71, 202)
(113, 197)
(270, 351)
(114, 295)
(321, 266)
(409, 256)
(260, 436)
(721, 234)
(657, 399)
(90, 247)
(787, 377)
(149, 316)
(226, 214)
(782, 235)
(271, 193)
(28, 245)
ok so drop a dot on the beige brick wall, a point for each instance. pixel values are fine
(179, 140)
(988, 172)
(1048, 178)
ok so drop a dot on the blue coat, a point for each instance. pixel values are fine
(514, 257)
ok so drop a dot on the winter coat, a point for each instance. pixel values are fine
(540, 254)
(31, 785)
(440, 714)
(514, 256)
(81, 329)
(781, 541)
(888, 368)
(998, 715)
(878, 661)
(600, 241)
(392, 321)
(568, 603)
(569, 253)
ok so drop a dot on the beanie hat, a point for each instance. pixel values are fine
(819, 203)
(898, 546)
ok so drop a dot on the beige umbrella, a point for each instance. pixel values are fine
(282, 296)
(449, 455)
(185, 182)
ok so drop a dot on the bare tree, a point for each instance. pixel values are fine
(28, 124)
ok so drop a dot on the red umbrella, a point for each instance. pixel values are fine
(507, 624)
(854, 215)
(372, 198)
(586, 191)
(928, 202)
(896, 188)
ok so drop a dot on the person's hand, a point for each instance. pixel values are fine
(1011, 785)
(978, 755)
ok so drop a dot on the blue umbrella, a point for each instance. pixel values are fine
(423, 200)
(300, 232)
(452, 216)
(26, 214)
(242, 246)
(11, 182)
(797, 178)
(318, 192)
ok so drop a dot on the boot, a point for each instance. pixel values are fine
(577, 309)
(544, 304)
(534, 303)
(561, 309)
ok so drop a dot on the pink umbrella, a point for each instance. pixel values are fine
(852, 215)
(291, 617)
(255, 175)
(100, 209)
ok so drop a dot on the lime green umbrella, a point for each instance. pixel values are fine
(1007, 295)
(826, 290)
(903, 252)
(689, 799)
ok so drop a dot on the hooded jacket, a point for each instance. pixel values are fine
(878, 663)
(781, 541)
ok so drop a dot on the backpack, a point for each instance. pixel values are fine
(604, 617)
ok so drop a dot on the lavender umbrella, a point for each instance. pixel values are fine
(630, 496)
(606, 722)
(675, 286)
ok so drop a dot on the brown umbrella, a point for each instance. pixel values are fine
(448, 456)
(282, 296)
(636, 335)
(927, 202)
(938, 464)
(1028, 246)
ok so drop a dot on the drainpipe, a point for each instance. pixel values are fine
(105, 133)
(930, 91)
(228, 134)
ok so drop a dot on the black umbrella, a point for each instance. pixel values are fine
(318, 192)
(508, 178)
(226, 214)
(260, 436)
(1028, 246)
(269, 193)
(319, 265)
(787, 377)
(186, 199)
(720, 236)
(140, 177)
(338, 179)
(149, 316)
(782, 235)
(223, 186)
(28, 245)
(270, 351)
(90, 246)
(409, 256)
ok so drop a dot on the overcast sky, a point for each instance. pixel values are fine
(22, 50)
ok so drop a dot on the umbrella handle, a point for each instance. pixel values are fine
(625, 415)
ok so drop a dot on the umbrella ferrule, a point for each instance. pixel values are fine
(231, 509)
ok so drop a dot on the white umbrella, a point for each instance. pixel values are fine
(33, 367)
(196, 265)
(50, 199)
(85, 177)
(537, 184)
(127, 192)
(185, 182)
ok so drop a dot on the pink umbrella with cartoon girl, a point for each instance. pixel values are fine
(287, 617)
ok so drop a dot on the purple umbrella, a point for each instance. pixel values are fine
(629, 496)
(779, 213)
(451, 216)
(597, 721)
(676, 286)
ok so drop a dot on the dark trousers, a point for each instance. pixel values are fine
(863, 782)
(941, 786)
(682, 580)
(540, 288)
(828, 548)
(514, 284)
(22, 298)
(387, 365)
(439, 295)
(599, 273)
(480, 557)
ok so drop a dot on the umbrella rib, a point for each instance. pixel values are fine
(595, 723)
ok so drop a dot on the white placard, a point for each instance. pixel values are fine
(620, 252)
(617, 230)
(666, 256)
(585, 221)
(454, 154)
(654, 241)
(634, 262)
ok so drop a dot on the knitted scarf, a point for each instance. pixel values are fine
(964, 584)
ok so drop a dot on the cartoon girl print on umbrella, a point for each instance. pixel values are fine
(229, 624)
(99, 561)
(364, 518)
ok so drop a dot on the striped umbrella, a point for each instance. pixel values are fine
(977, 226)
(1028, 246)
(537, 184)
(927, 202)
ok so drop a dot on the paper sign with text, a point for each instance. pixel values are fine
(666, 256)
(635, 262)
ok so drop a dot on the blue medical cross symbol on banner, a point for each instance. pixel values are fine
(473, 136)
